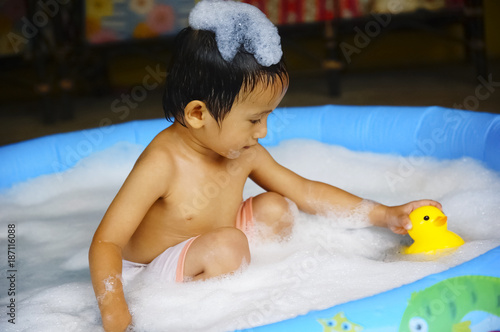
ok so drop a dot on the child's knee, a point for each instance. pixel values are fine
(231, 241)
(219, 252)
(271, 206)
(228, 248)
(274, 210)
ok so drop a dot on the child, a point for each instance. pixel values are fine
(179, 213)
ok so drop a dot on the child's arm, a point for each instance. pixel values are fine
(317, 197)
(144, 185)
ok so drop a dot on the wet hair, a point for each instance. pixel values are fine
(197, 71)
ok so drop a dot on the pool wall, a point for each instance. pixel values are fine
(408, 131)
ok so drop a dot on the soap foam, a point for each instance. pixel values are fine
(326, 261)
(237, 24)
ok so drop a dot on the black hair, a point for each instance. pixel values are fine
(197, 71)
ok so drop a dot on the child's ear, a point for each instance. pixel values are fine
(196, 113)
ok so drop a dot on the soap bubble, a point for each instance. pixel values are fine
(236, 25)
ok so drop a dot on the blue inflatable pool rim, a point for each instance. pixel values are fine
(408, 131)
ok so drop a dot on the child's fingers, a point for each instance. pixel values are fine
(402, 223)
(424, 202)
(398, 230)
(407, 225)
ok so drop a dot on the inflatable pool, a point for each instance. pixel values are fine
(463, 296)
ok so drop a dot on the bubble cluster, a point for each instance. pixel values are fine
(327, 260)
(236, 25)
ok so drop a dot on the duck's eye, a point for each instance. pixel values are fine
(426, 218)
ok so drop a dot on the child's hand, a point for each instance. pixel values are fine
(397, 217)
(117, 322)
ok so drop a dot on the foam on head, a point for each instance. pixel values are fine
(237, 24)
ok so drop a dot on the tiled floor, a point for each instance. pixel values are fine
(445, 85)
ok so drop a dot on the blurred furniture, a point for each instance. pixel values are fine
(369, 18)
(79, 38)
(45, 33)
(112, 21)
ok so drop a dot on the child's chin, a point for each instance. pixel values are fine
(233, 154)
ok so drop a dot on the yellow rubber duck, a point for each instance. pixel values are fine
(429, 232)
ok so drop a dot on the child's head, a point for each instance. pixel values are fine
(197, 71)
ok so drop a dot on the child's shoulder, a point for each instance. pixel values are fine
(258, 156)
(260, 153)
(158, 155)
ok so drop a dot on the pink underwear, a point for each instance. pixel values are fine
(169, 265)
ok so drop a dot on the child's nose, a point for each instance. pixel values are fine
(261, 131)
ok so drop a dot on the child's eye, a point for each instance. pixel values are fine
(255, 121)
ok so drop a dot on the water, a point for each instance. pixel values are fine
(323, 263)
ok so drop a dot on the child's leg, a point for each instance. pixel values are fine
(225, 249)
(216, 253)
(273, 210)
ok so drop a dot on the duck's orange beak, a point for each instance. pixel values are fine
(440, 221)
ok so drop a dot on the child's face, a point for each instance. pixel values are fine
(247, 120)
